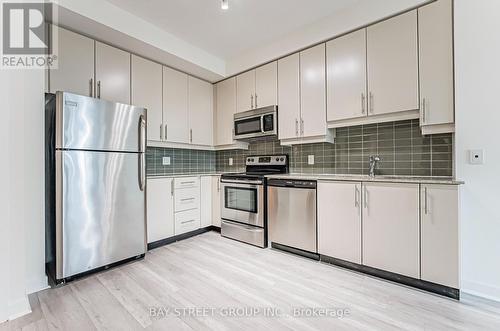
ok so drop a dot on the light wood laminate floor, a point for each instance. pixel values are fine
(212, 272)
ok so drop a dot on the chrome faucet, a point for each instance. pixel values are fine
(373, 165)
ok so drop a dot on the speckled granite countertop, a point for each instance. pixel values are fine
(365, 178)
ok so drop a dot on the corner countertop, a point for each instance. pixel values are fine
(365, 178)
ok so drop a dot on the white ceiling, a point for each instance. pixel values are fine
(225, 34)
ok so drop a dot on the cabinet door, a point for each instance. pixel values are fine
(216, 201)
(175, 106)
(245, 91)
(346, 76)
(439, 231)
(75, 72)
(339, 220)
(226, 106)
(391, 227)
(160, 209)
(393, 65)
(313, 91)
(201, 102)
(147, 92)
(266, 85)
(112, 73)
(206, 201)
(289, 96)
(435, 30)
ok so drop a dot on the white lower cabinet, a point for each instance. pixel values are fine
(391, 227)
(160, 209)
(216, 201)
(439, 234)
(339, 220)
(187, 198)
(206, 201)
(186, 221)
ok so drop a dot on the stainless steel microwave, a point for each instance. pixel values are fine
(256, 123)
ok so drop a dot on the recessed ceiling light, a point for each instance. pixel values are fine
(224, 4)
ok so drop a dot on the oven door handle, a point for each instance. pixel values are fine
(249, 182)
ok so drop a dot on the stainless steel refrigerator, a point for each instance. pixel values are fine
(95, 184)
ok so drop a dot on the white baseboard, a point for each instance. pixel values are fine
(37, 284)
(481, 290)
(19, 308)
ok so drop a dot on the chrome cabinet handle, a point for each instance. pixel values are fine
(99, 89)
(423, 111)
(425, 201)
(191, 182)
(184, 222)
(366, 198)
(172, 187)
(165, 132)
(187, 199)
(256, 100)
(161, 131)
(362, 103)
(91, 86)
(251, 101)
(301, 126)
(296, 127)
(218, 184)
(356, 202)
(190, 135)
(371, 102)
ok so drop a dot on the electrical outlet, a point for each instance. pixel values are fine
(230, 161)
(310, 159)
(476, 156)
(165, 160)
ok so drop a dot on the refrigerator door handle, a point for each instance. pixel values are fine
(142, 171)
(142, 134)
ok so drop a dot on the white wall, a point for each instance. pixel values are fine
(22, 270)
(477, 69)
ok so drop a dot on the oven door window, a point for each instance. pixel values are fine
(240, 198)
(247, 125)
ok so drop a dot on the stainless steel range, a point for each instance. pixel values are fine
(244, 201)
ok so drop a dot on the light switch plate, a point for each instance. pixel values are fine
(310, 159)
(165, 160)
(230, 161)
(476, 156)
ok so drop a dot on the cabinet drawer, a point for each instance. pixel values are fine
(186, 182)
(187, 198)
(186, 221)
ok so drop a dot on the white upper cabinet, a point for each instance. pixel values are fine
(393, 65)
(257, 88)
(75, 72)
(439, 231)
(226, 106)
(201, 103)
(339, 220)
(266, 85)
(112, 73)
(391, 227)
(245, 91)
(289, 97)
(435, 27)
(175, 106)
(346, 77)
(313, 92)
(146, 90)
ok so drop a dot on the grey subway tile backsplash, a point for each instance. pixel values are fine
(401, 146)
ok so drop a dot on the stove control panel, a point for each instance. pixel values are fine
(267, 160)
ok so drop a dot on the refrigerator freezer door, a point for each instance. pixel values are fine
(102, 219)
(85, 123)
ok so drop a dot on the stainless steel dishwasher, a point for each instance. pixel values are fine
(292, 215)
